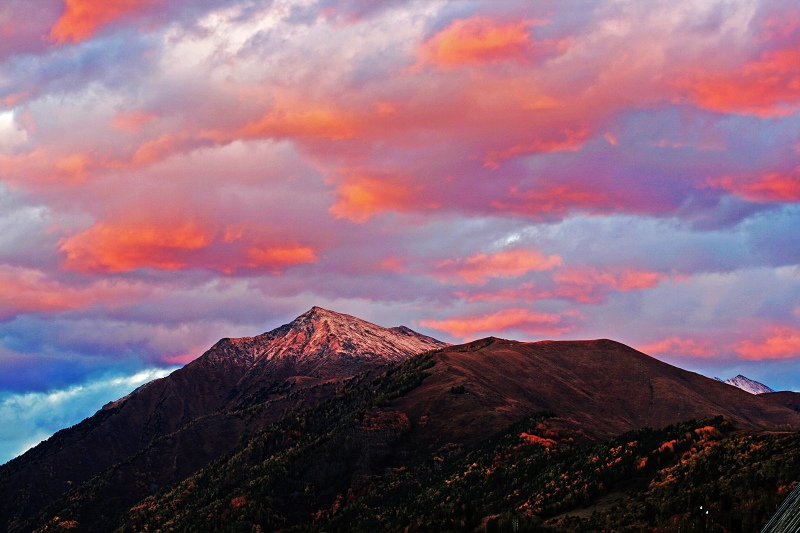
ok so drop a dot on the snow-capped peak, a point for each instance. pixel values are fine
(320, 332)
(747, 384)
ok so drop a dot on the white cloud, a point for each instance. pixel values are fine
(29, 418)
(11, 135)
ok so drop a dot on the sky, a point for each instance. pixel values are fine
(174, 172)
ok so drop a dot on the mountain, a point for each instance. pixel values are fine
(373, 431)
(597, 389)
(747, 384)
(474, 426)
(290, 427)
(788, 399)
(173, 426)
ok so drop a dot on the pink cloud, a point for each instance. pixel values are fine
(680, 347)
(34, 292)
(556, 199)
(571, 142)
(586, 285)
(394, 264)
(157, 149)
(591, 285)
(777, 342)
(131, 121)
(525, 291)
(504, 320)
(769, 187)
(766, 87)
(511, 263)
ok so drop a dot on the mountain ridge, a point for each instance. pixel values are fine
(466, 396)
(251, 397)
(301, 362)
(746, 384)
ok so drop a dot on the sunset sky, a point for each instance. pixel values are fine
(177, 171)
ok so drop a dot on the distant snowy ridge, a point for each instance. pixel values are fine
(747, 384)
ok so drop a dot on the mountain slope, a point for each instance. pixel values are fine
(175, 425)
(786, 399)
(430, 408)
(597, 389)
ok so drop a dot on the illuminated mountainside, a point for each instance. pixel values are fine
(179, 423)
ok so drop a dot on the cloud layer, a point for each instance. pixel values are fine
(31, 417)
(176, 172)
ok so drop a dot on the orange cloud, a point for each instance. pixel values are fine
(773, 187)
(512, 263)
(303, 120)
(766, 87)
(780, 342)
(359, 198)
(478, 40)
(678, 346)
(507, 319)
(82, 18)
(127, 246)
(276, 258)
(590, 285)
(121, 248)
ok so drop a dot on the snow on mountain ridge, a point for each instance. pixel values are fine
(319, 333)
(747, 384)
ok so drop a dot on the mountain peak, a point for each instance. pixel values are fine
(317, 312)
(318, 315)
(747, 384)
(320, 333)
(320, 338)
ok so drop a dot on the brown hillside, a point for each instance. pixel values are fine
(597, 389)
(785, 398)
